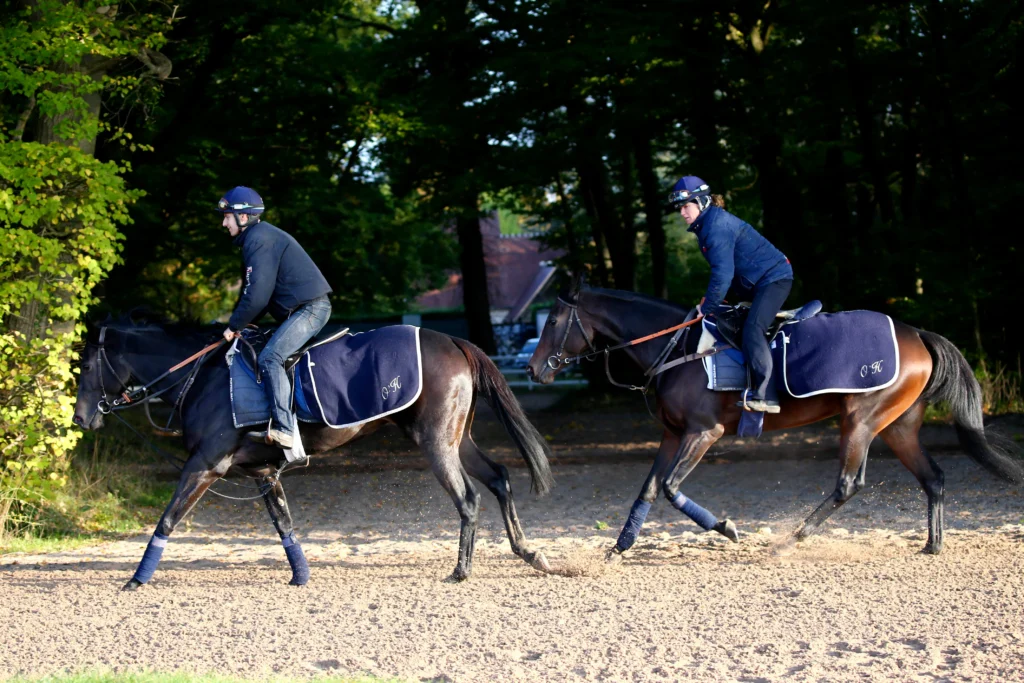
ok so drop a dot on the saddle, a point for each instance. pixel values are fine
(730, 323)
(254, 339)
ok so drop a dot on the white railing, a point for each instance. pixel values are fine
(509, 372)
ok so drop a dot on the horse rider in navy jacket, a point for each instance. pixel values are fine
(279, 276)
(745, 263)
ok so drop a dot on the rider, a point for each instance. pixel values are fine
(742, 261)
(280, 275)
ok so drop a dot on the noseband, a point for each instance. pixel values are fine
(105, 405)
(555, 361)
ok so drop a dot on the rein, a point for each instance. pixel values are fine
(574, 318)
(127, 399)
(657, 367)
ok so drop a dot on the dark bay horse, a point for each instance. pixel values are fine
(931, 369)
(455, 373)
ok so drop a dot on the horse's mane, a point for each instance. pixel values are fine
(637, 297)
(146, 321)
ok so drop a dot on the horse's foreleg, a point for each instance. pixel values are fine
(277, 506)
(196, 477)
(692, 448)
(638, 513)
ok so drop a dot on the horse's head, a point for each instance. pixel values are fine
(564, 335)
(103, 375)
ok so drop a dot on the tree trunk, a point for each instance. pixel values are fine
(652, 209)
(860, 90)
(572, 246)
(475, 297)
(624, 253)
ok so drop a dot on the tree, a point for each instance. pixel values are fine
(60, 209)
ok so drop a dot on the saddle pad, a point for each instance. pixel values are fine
(361, 377)
(837, 353)
(249, 405)
(849, 352)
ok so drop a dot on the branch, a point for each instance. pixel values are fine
(367, 24)
(19, 129)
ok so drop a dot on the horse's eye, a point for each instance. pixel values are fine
(552, 321)
(86, 368)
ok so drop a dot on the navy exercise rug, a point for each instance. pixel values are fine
(838, 353)
(346, 382)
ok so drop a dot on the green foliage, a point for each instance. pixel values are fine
(60, 209)
(283, 98)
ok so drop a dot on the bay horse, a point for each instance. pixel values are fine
(455, 373)
(931, 369)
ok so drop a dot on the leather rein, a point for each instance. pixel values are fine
(659, 366)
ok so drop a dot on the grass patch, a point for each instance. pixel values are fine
(153, 677)
(112, 491)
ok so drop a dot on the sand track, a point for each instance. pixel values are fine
(859, 601)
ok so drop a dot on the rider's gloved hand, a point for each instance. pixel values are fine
(229, 334)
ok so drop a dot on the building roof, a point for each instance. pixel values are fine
(514, 265)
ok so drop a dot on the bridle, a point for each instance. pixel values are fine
(659, 366)
(126, 397)
(574, 318)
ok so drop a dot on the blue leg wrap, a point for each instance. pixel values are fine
(702, 517)
(637, 515)
(151, 558)
(751, 424)
(297, 559)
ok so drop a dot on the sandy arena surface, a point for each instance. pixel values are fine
(857, 602)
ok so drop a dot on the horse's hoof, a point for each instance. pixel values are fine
(131, 585)
(613, 557)
(539, 562)
(931, 549)
(458, 576)
(298, 581)
(727, 529)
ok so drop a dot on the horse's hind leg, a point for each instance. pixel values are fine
(902, 437)
(495, 478)
(853, 450)
(277, 506)
(456, 482)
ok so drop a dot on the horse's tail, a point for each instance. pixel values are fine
(953, 381)
(489, 381)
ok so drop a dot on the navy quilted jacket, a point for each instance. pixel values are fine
(741, 258)
(279, 274)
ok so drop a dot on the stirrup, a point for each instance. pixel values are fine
(759, 405)
(258, 437)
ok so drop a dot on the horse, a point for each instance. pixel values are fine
(455, 373)
(931, 369)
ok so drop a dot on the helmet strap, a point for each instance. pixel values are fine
(703, 203)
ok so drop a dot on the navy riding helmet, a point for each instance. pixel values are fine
(241, 200)
(690, 188)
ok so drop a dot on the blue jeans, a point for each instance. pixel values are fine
(768, 300)
(301, 326)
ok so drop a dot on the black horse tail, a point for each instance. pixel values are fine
(953, 381)
(488, 381)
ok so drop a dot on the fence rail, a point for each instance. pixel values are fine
(511, 372)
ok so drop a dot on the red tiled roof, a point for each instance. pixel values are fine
(512, 263)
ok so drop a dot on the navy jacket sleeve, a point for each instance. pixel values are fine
(262, 261)
(721, 246)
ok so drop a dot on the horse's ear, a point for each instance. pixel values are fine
(580, 282)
